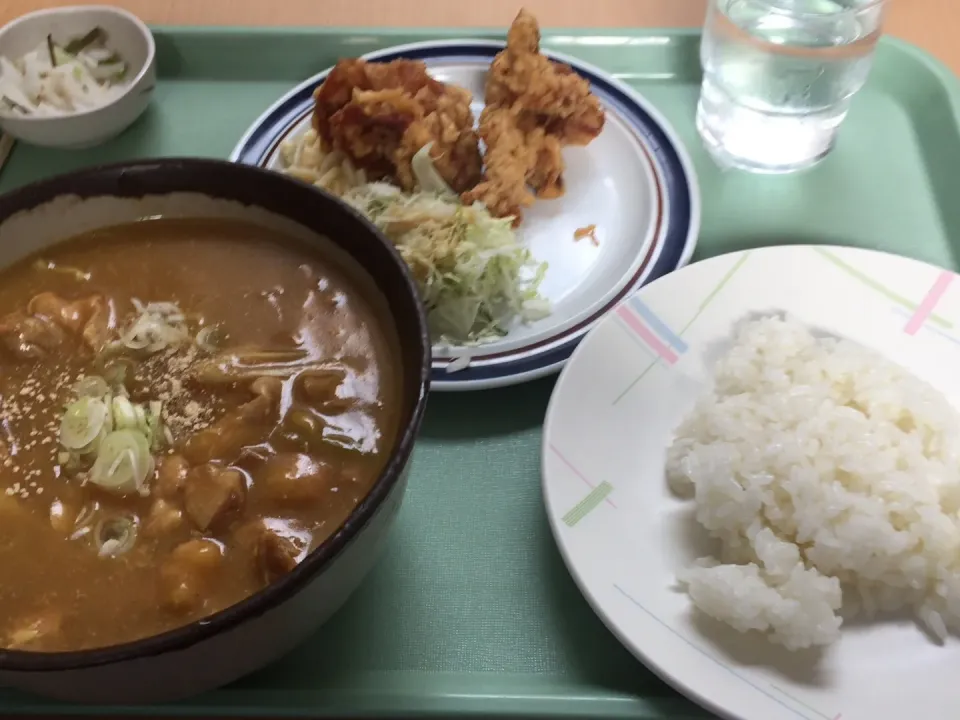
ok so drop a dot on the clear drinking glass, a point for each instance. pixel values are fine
(779, 75)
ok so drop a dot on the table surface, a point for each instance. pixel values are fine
(931, 24)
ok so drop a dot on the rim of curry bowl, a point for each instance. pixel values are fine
(248, 185)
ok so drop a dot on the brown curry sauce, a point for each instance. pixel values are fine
(262, 468)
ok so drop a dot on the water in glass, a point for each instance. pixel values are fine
(779, 75)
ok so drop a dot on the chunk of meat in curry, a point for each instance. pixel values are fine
(48, 319)
(261, 444)
(213, 495)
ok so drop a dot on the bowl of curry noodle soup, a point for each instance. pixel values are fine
(212, 377)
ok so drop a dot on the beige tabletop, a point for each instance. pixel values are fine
(932, 24)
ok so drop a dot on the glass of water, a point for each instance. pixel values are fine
(779, 75)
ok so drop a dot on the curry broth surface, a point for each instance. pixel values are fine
(262, 291)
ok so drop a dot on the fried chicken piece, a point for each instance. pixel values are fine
(534, 106)
(559, 98)
(520, 155)
(381, 114)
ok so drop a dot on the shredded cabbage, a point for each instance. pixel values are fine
(474, 276)
(428, 177)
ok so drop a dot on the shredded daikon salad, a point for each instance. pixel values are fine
(474, 276)
(53, 79)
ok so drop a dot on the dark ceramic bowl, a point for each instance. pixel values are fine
(252, 633)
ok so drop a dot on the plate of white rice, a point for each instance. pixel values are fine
(752, 471)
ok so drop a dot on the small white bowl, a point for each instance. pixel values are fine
(126, 34)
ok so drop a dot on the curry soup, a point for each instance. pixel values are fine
(187, 408)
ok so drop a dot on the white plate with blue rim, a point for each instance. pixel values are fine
(624, 536)
(634, 183)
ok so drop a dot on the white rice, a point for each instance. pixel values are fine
(822, 468)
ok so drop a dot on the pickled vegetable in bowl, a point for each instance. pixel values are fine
(56, 79)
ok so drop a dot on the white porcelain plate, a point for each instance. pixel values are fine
(634, 183)
(624, 536)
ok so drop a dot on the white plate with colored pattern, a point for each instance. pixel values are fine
(635, 184)
(624, 536)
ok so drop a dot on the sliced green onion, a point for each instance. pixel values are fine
(92, 447)
(82, 422)
(115, 536)
(142, 420)
(91, 386)
(210, 338)
(154, 429)
(124, 414)
(118, 370)
(123, 462)
(86, 514)
(108, 425)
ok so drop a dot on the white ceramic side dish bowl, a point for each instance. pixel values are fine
(126, 34)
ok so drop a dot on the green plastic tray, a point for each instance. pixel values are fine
(472, 611)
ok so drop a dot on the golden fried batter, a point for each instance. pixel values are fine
(534, 106)
(381, 114)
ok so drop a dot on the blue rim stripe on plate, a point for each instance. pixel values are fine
(676, 175)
